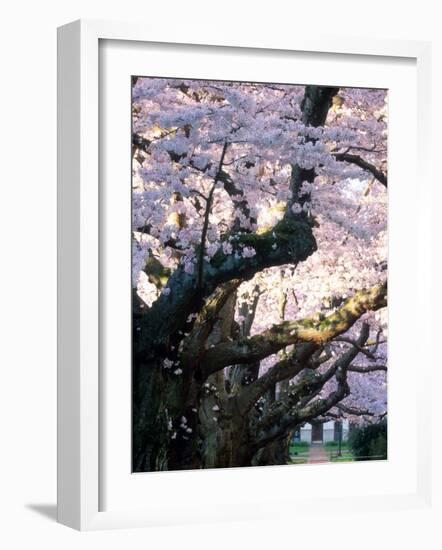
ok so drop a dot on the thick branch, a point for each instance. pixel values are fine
(311, 330)
(294, 418)
(315, 106)
(292, 413)
(289, 242)
(283, 370)
(205, 321)
(243, 375)
(353, 410)
(321, 406)
(316, 103)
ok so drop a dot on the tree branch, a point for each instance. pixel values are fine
(235, 193)
(368, 167)
(288, 242)
(289, 415)
(312, 330)
(205, 321)
(293, 418)
(206, 218)
(283, 370)
(315, 105)
(353, 410)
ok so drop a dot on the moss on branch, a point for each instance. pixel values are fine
(310, 330)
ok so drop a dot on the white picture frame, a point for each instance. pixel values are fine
(79, 204)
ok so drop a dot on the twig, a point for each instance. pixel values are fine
(206, 217)
(354, 410)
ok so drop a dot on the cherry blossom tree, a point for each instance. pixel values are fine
(259, 266)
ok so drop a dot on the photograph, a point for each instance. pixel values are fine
(259, 273)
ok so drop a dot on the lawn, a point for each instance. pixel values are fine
(299, 452)
(332, 448)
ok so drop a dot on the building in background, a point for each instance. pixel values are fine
(323, 432)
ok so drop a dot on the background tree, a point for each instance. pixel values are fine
(259, 259)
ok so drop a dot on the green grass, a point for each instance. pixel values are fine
(299, 447)
(299, 452)
(334, 445)
(346, 455)
(332, 448)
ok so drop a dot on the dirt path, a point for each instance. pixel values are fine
(317, 455)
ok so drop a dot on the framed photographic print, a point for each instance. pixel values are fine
(230, 214)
